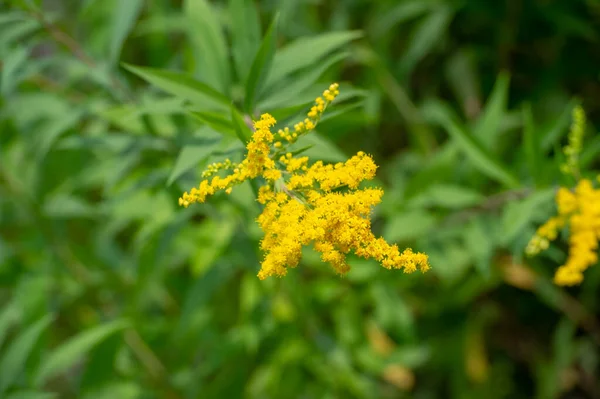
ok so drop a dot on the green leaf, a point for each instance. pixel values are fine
(479, 157)
(409, 226)
(212, 238)
(463, 77)
(124, 15)
(216, 120)
(63, 205)
(558, 128)
(518, 214)
(447, 196)
(12, 64)
(320, 148)
(53, 129)
(306, 52)
(242, 130)
(245, 32)
(487, 127)
(31, 395)
(479, 241)
(260, 66)
(10, 314)
(71, 351)
(428, 34)
(194, 154)
(211, 53)
(13, 361)
(288, 96)
(399, 13)
(531, 144)
(181, 85)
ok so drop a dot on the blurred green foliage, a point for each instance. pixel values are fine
(110, 109)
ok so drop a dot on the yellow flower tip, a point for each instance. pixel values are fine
(567, 277)
(228, 191)
(278, 144)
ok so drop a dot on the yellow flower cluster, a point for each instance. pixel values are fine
(306, 204)
(580, 211)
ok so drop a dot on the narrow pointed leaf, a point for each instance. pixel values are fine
(487, 126)
(260, 67)
(12, 362)
(74, 349)
(241, 129)
(181, 85)
(125, 14)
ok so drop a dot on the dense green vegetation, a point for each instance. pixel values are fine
(110, 109)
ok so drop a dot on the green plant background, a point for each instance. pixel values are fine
(110, 109)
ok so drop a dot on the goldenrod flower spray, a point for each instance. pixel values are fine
(578, 209)
(319, 204)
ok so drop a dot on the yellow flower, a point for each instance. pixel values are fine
(580, 211)
(318, 204)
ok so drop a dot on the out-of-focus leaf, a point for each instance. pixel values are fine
(31, 395)
(531, 144)
(426, 36)
(15, 32)
(12, 64)
(125, 13)
(181, 85)
(53, 129)
(518, 214)
(69, 352)
(12, 361)
(212, 239)
(287, 96)
(261, 65)
(399, 13)
(245, 32)
(409, 225)
(216, 120)
(306, 52)
(462, 75)
(480, 158)
(488, 125)
(553, 131)
(212, 63)
(242, 130)
(447, 196)
(121, 390)
(63, 205)
(479, 240)
(320, 148)
(9, 315)
(194, 154)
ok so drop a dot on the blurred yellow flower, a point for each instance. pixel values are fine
(318, 204)
(580, 211)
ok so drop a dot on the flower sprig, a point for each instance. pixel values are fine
(319, 204)
(578, 209)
